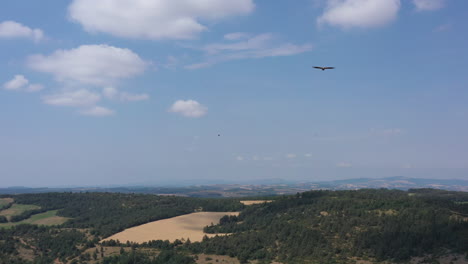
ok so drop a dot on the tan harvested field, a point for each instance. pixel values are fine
(181, 227)
(255, 202)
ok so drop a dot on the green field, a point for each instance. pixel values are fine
(17, 209)
(48, 218)
(5, 201)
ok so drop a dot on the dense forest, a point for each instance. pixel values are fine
(334, 226)
(310, 227)
(99, 211)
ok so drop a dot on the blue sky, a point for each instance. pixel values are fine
(129, 92)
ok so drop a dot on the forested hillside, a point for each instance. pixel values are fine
(109, 213)
(310, 227)
(335, 226)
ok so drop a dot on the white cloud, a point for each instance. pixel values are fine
(443, 27)
(239, 158)
(12, 29)
(308, 155)
(171, 63)
(18, 82)
(79, 98)
(359, 13)
(236, 36)
(126, 97)
(34, 87)
(87, 67)
(291, 156)
(429, 5)
(189, 108)
(90, 64)
(98, 111)
(253, 43)
(113, 94)
(110, 92)
(254, 47)
(154, 19)
(344, 165)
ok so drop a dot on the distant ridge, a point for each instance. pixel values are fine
(265, 187)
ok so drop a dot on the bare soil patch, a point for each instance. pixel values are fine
(256, 202)
(181, 227)
(448, 259)
(212, 259)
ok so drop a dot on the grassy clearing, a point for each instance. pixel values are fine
(17, 209)
(47, 218)
(180, 227)
(5, 201)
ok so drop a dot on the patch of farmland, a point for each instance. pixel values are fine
(255, 202)
(181, 227)
(5, 201)
(47, 218)
(17, 209)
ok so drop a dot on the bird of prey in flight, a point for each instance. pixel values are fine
(324, 68)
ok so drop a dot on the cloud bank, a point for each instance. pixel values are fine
(83, 69)
(154, 19)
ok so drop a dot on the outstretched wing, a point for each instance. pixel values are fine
(329, 68)
(317, 67)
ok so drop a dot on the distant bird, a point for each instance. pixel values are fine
(219, 135)
(324, 68)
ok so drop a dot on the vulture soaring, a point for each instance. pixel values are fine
(324, 68)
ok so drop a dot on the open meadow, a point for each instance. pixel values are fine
(48, 218)
(181, 227)
(17, 209)
(5, 201)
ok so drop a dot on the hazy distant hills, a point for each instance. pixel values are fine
(264, 187)
(402, 183)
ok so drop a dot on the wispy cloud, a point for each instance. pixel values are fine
(252, 47)
(443, 28)
(97, 111)
(79, 98)
(429, 5)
